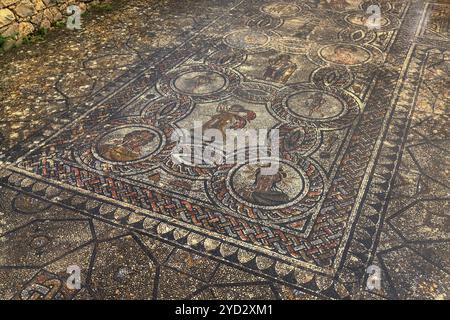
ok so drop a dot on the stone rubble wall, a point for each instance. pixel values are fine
(19, 18)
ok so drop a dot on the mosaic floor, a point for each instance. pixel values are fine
(87, 180)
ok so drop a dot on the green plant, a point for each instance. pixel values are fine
(36, 36)
(59, 24)
(42, 32)
(2, 40)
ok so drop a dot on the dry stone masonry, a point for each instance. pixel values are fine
(19, 18)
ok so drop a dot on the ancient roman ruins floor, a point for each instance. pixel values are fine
(363, 120)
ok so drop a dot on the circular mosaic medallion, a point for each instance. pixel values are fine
(345, 54)
(128, 144)
(274, 189)
(265, 22)
(166, 110)
(247, 39)
(315, 105)
(297, 140)
(361, 19)
(332, 76)
(326, 108)
(281, 9)
(199, 83)
(249, 184)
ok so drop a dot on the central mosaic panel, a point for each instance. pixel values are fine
(260, 75)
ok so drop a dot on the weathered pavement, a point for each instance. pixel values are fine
(366, 170)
